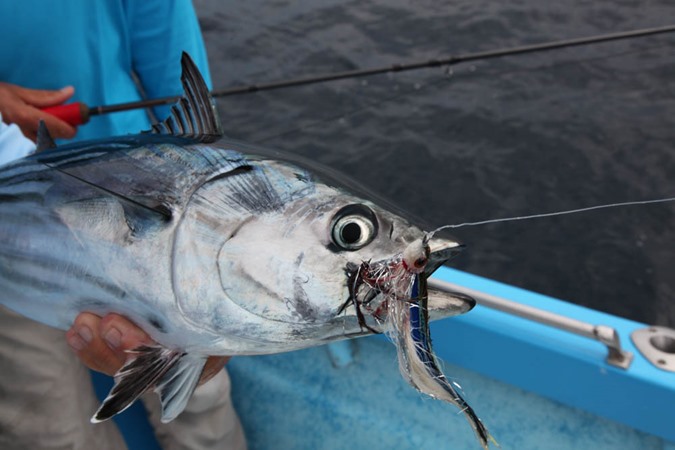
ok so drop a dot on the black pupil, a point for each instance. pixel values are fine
(351, 233)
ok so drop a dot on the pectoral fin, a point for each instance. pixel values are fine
(172, 373)
(178, 384)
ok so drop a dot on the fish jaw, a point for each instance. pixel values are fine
(375, 285)
(441, 251)
(443, 303)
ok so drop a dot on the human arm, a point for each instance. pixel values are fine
(102, 343)
(22, 107)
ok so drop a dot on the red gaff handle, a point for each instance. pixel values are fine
(73, 113)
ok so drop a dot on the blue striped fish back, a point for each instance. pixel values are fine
(43, 262)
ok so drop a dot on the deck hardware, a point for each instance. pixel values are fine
(616, 356)
(657, 344)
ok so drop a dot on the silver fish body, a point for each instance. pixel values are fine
(212, 251)
(208, 250)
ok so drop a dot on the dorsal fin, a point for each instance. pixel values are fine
(195, 115)
(44, 139)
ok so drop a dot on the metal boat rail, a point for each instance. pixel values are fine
(607, 335)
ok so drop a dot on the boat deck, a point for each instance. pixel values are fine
(303, 400)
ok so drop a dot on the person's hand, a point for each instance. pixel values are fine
(21, 106)
(100, 343)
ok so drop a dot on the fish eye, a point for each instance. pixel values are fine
(353, 227)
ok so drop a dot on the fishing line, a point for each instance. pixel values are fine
(441, 62)
(551, 214)
(446, 63)
(448, 75)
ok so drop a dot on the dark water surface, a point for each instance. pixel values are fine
(519, 135)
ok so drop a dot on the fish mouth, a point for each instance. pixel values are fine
(442, 303)
(440, 252)
(374, 286)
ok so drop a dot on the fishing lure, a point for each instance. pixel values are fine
(402, 283)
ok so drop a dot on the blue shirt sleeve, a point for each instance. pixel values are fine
(160, 32)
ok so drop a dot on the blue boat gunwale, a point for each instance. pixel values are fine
(553, 363)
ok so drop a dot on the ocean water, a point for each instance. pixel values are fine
(520, 135)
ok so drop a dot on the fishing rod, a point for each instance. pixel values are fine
(79, 113)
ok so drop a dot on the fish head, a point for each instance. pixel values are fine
(296, 262)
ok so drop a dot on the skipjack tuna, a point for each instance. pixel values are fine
(213, 252)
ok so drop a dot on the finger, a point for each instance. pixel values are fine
(213, 365)
(121, 334)
(43, 98)
(84, 338)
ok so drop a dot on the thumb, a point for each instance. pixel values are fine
(43, 98)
